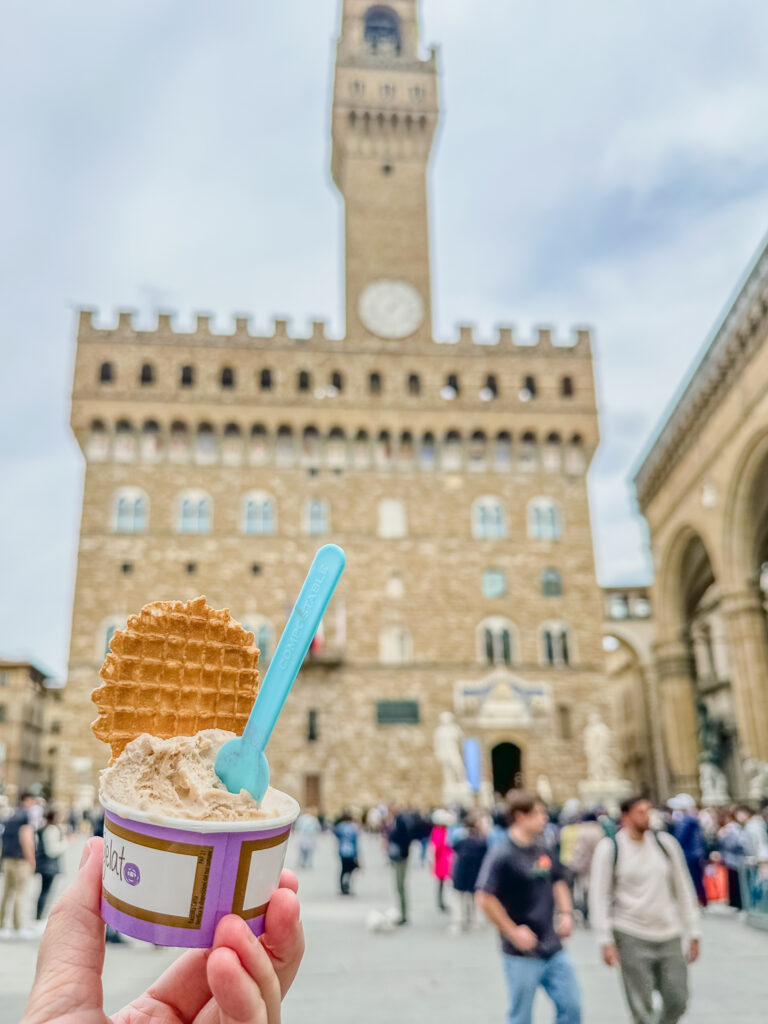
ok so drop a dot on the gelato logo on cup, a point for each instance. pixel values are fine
(114, 858)
(132, 874)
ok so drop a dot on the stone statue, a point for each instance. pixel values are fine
(756, 776)
(601, 766)
(447, 741)
(713, 784)
(544, 790)
(710, 736)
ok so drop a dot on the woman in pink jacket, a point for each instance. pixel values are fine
(441, 854)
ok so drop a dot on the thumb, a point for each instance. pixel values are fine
(71, 954)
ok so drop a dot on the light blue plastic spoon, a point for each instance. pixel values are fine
(241, 763)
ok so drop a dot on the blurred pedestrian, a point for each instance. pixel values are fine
(468, 854)
(642, 905)
(50, 844)
(441, 853)
(731, 852)
(307, 828)
(18, 856)
(588, 835)
(687, 831)
(398, 849)
(522, 890)
(347, 832)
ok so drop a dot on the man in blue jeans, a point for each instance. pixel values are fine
(522, 890)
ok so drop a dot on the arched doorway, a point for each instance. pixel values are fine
(507, 765)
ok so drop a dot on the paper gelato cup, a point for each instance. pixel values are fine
(170, 881)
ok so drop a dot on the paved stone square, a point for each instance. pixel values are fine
(421, 972)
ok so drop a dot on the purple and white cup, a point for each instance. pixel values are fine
(170, 881)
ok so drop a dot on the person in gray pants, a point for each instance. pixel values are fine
(644, 911)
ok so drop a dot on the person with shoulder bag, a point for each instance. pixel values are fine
(50, 844)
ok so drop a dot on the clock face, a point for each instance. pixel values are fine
(391, 309)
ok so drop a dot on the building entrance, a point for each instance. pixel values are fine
(507, 767)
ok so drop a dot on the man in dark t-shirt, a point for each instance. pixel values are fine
(522, 890)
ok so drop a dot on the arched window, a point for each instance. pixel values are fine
(107, 630)
(543, 519)
(362, 450)
(452, 384)
(452, 450)
(125, 441)
(395, 646)
(555, 644)
(477, 449)
(337, 448)
(374, 383)
(130, 510)
(575, 461)
(566, 387)
(205, 447)
(179, 448)
(227, 377)
(427, 452)
(495, 641)
(414, 384)
(488, 518)
(551, 583)
(405, 450)
(303, 381)
(491, 386)
(263, 636)
(147, 374)
(528, 451)
(195, 512)
(259, 513)
(232, 445)
(392, 518)
(257, 449)
(311, 446)
(97, 444)
(265, 380)
(187, 376)
(529, 385)
(552, 456)
(316, 517)
(106, 373)
(151, 443)
(502, 451)
(383, 449)
(284, 450)
(337, 381)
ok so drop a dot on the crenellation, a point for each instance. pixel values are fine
(165, 323)
(203, 323)
(466, 335)
(280, 329)
(582, 340)
(125, 320)
(505, 336)
(544, 338)
(242, 327)
(319, 331)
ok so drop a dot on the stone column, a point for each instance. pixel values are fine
(748, 653)
(678, 713)
(654, 716)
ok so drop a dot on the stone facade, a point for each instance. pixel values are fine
(453, 475)
(27, 729)
(703, 488)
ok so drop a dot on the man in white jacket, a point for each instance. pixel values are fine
(642, 908)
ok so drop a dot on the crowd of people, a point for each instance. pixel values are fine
(638, 879)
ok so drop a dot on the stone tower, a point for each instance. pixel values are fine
(385, 110)
(453, 475)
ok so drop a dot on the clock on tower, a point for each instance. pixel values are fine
(385, 112)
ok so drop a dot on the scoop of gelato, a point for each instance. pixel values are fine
(176, 778)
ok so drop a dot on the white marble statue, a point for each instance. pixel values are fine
(601, 766)
(447, 742)
(544, 790)
(713, 784)
(756, 776)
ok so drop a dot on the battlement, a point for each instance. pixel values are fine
(129, 327)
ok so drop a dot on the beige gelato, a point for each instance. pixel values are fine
(176, 778)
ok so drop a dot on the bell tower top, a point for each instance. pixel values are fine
(385, 113)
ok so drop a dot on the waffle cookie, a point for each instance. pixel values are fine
(176, 669)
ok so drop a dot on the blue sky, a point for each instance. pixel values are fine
(598, 163)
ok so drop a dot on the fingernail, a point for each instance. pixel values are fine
(86, 855)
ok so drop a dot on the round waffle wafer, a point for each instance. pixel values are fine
(176, 669)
